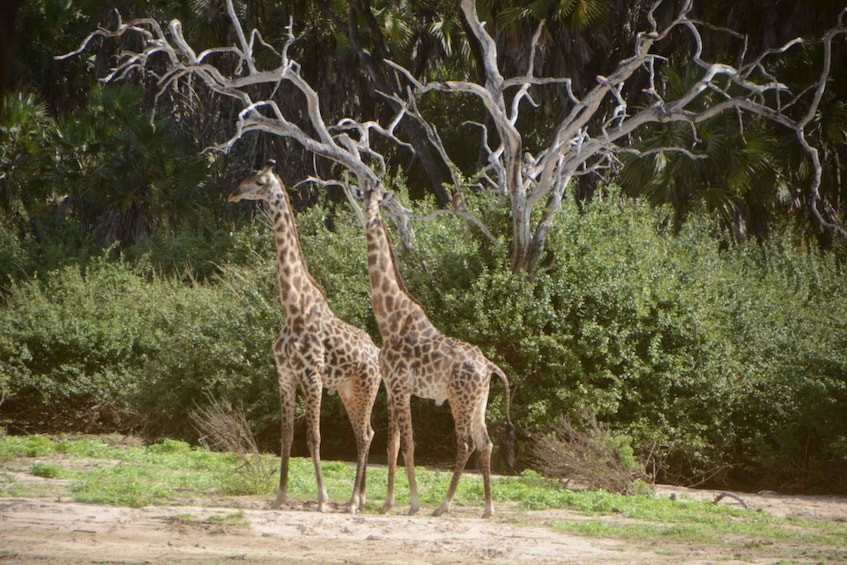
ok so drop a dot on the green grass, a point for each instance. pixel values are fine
(229, 520)
(111, 470)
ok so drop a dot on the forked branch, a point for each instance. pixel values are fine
(347, 143)
(600, 124)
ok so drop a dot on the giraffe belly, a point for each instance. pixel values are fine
(430, 388)
(343, 386)
(346, 389)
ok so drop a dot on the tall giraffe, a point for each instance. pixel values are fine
(417, 359)
(315, 349)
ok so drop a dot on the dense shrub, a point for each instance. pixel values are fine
(70, 345)
(722, 365)
(728, 366)
(108, 348)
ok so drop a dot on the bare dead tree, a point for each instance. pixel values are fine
(597, 128)
(600, 125)
(347, 143)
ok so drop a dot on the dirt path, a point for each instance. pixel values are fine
(37, 530)
(41, 530)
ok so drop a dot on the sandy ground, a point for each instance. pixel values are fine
(51, 531)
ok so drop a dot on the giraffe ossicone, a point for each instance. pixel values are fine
(315, 350)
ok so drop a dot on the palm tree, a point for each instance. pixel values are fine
(125, 174)
(23, 122)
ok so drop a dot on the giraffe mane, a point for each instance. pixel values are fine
(397, 275)
(296, 234)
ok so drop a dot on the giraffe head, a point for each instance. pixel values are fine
(261, 185)
(372, 196)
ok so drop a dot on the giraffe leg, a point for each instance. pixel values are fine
(287, 395)
(359, 406)
(484, 447)
(312, 390)
(467, 420)
(408, 441)
(463, 453)
(393, 449)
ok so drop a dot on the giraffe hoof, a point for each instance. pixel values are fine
(443, 509)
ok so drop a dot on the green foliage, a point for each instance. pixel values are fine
(717, 364)
(106, 174)
(25, 446)
(125, 173)
(108, 348)
(46, 470)
(728, 364)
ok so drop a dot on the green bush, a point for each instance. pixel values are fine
(723, 365)
(46, 470)
(70, 346)
(107, 348)
(790, 329)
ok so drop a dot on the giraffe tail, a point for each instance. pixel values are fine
(510, 428)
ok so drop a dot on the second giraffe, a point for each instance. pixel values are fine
(417, 359)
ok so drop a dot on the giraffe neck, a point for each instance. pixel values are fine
(392, 303)
(298, 291)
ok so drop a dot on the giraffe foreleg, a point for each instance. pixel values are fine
(393, 449)
(408, 442)
(287, 398)
(312, 390)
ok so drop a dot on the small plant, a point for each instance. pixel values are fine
(46, 470)
(38, 445)
(232, 519)
(169, 446)
(226, 429)
(594, 458)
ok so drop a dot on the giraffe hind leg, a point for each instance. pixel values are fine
(484, 448)
(463, 452)
(359, 406)
(471, 434)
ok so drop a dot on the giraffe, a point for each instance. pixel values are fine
(417, 359)
(315, 349)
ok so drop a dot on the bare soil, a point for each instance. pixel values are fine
(57, 531)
